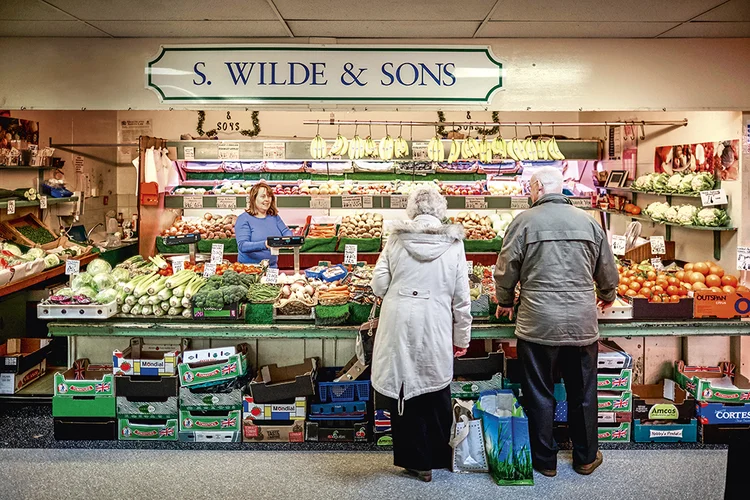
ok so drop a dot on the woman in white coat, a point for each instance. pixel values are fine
(425, 321)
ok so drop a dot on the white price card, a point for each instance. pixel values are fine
(658, 246)
(519, 203)
(470, 267)
(743, 258)
(229, 202)
(78, 162)
(419, 151)
(367, 201)
(217, 253)
(656, 262)
(178, 265)
(475, 202)
(11, 207)
(189, 152)
(584, 203)
(275, 250)
(42, 202)
(618, 244)
(398, 201)
(320, 202)
(272, 275)
(192, 202)
(350, 254)
(713, 197)
(348, 201)
(209, 269)
(229, 151)
(274, 150)
(72, 267)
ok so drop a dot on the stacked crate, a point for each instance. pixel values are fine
(614, 379)
(83, 405)
(339, 412)
(663, 413)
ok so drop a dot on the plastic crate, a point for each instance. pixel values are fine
(356, 410)
(344, 392)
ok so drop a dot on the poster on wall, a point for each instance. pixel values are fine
(15, 129)
(128, 132)
(720, 158)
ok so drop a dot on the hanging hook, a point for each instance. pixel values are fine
(515, 130)
(356, 127)
(553, 130)
(317, 129)
(411, 132)
(369, 133)
(338, 129)
(400, 128)
(643, 130)
(606, 132)
(386, 128)
(541, 133)
(531, 134)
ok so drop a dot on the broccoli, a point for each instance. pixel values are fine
(215, 299)
(249, 279)
(199, 299)
(231, 278)
(215, 280)
(234, 293)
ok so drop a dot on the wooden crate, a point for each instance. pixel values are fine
(9, 231)
(643, 252)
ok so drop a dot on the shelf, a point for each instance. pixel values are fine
(645, 218)
(26, 167)
(40, 390)
(15, 286)
(652, 193)
(35, 203)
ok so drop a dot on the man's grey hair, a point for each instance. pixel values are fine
(426, 200)
(550, 178)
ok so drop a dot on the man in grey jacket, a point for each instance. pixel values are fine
(557, 252)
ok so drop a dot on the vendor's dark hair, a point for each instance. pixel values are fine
(251, 209)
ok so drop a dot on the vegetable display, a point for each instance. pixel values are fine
(38, 235)
(477, 227)
(679, 183)
(209, 226)
(687, 215)
(361, 225)
(261, 293)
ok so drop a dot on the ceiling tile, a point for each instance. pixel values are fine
(30, 10)
(391, 29)
(572, 30)
(734, 10)
(168, 10)
(710, 30)
(598, 10)
(48, 29)
(384, 10)
(195, 29)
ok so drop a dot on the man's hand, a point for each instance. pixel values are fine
(458, 352)
(504, 311)
(603, 305)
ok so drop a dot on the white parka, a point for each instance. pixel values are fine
(422, 278)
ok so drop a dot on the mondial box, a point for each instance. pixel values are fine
(615, 401)
(212, 421)
(148, 359)
(614, 380)
(614, 433)
(212, 366)
(290, 410)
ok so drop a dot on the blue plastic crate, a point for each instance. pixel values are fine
(345, 392)
(356, 410)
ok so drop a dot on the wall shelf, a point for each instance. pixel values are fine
(35, 203)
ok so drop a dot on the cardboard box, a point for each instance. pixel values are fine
(470, 389)
(223, 421)
(643, 309)
(337, 432)
(210, 437)
(138, 408)
(274, 383)
(295, 409)
(355, 410)
(614, 433)
(615, 401)
(663, 401)
(613, 417)
(146, 388)
(84, 390)
(612, 357)
(705, 383)
(723, 433)
(200, 399)
(20, 355)
(197, 375)
(85, 429)
(708, 304)
(273, 431)
(481, 368)
(614, 380)
(650, 432)
(723, 413)
(11, 383)
(148, 359)
(147, 430)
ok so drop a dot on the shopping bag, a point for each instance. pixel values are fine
(365, 342)
(468, 440)
(506, 437)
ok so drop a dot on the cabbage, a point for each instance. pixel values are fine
(10, 247)
(65, 292)
(120, 274)
(86, 291)
(51, 260)
(36, 253)
(98, 266)
(686, 186)
(673, 185)
(106, 296)
(712, 217)
(686, 214)
(81, 280)
(103, 281)
(702, 182)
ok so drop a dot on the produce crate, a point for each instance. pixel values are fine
(360, 313)
(319, 245)
(203, 375)
(9, 231)
(202, 399)
(643, 309)
(356, 410)
(650, 432)
(473, 246)
(146, 388)
(273, 431)
(141, 408)
(331, 315)
(162, 248)
(332, 431)
(259, 314)
(664, 401)
(10, 383)
(643, 252)
(470, 389)
(723, 413)
(615, 433)
(26, 269)
(85, 429)
(88, 311)
(231, 312)
(275, 383)
(614, 380)
(147, 430)
(141, 358)
(204, 246)
(344, 392)
(222, 420)
(484, 367)
(708, 304)
(481, 307)
(704, 383)
(293, 409)
(84, 390)
(19, 355)
(210, 437)
(615, 401)
(363, 244)
(723, 433)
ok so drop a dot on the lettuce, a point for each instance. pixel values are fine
(80, 281)
(98, 266)
(119, 274)
(106, 296)
(103, 281)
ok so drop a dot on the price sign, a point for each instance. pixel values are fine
(209, 269)
(656, 262)
(275, 250)
(584, 203)
(352, 202)
(42, 202)
(72, 267)
(470, 266)
(658, 246)
(618, 244)
(192, 201)
(217, 253)
(178, 265)
(350, 254)
(11, 207)
(320, 202)
(272, 275)
(713, 197)
(398, 201)
(519, 203)
(475, 202)
(419, 151)
(743, 258)
(229, 151)
(189, 152)
(274, 150)
(78, 162)
(367, 202)
(229, 202)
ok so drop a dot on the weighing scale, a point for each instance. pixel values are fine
(191, 240)
(276, 243)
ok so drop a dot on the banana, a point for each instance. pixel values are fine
(318, 148)
(485, 146)
(454, 151)
(541, 150)
(339, 146)
(371, 150)
(530, 149)
(473, 146)
(518, 150)
(554, 150)
(435, 150)
(355, 148)
(465, 151)
(498, 147)
(400, 148)
(386, 147)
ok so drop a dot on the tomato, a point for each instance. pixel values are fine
(674, 298)
(658, 289)
(728, 289)
(646, 292)
(655, 298)
(672, 290)
(713, 280)
(621, 289)
(729, 280)
(634, 285)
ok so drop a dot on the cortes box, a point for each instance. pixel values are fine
(140, 388)
(20, 355)
(717, 384)
(137, 408)
(274, 383)
(213, 371)
(614, 401)
(289, 410)
(148, 359)
(84, 390)
(649, 432)
(210, 437)
(708, 304)
(337, 432)
(273, 431)
(147, 430)
(614, 433)
(723, 413)
(614, 380)
(663, 401)
(11, 383)
(224, 421)
(202, 400)
(723, 433)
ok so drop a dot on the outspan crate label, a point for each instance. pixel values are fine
(708, 304)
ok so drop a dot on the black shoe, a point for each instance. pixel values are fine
(422, 475)
(589, 468)
(546, 472)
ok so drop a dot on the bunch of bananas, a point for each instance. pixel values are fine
(340, 146)
(470, 148)
(400, 148)
(371, 149)
(528, 149)
(485, 151)
(318, 149)
(356, 148)
(435, 151)
(386, 148)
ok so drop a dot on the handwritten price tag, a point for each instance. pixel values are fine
(618, 244)
(229, 202)
(470, 266)
(217, 253)
(274, 150)
(192, 202)
(475, 202)
(189, 152)
(583, 203)
(519, 203)
(42, 202)
(272, 275)
(11, 207)
(229, 151)
(320, 202)
(178, 265)
(398, 201)
(743, 258)
(656, 262)
(209, 269)
(367, 202)
(658, 246)
(350, 254)
(419, 151)
(353, 202)
(72, 267)
(713, 197)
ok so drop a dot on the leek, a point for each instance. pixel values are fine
(153, 300)
(187, 313)
(142, 288)
(159, 261)
(125, 308)
(157, 286)
(174, 311)
(175, 301)
(136, 309)
(131, 300)
(179, 291)
(180, 278)
(164, 294)
(185, 302)
(164, 306)
(158, 312)
(143, 300)
(147, 310)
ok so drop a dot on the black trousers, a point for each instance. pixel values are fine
(539, 365)
(421, 435)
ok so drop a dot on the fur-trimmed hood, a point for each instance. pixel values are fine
(425, 237)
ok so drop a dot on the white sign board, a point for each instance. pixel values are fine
(658, 246)
(658, 266)
(743, 258)
(398, 201)
(618, 244)
(367, 201)
(178, 265)
(72, 267)
(78, 162)
(470, 267)
(419, 151)
(229, 202)
(713, 198)
(11, 207)
(189, 152)
(229, 151)
(320, 202)
(192, 202)
(350, 255)
(42, 202)
(217, 253)
(209, 269)
(475, 203)
(584, 203)
(348, 201)
(274, 150)
(272, 275)
(519, 203)
(249, 74)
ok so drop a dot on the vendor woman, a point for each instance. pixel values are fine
(260, 220)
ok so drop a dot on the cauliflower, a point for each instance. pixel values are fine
(659, 182)
(657, 210)
(702, 182)
(712, 217)
(643, 183)
(673, 185)
(686, 214)
(686, 183)
(670, 215)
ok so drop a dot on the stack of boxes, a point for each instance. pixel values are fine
(83, 404)
(22, 361)
(614, 379)
(663, 413)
